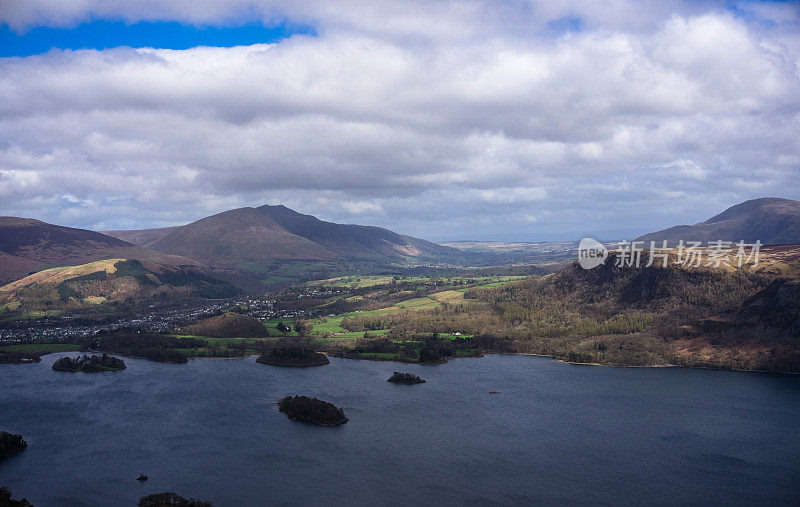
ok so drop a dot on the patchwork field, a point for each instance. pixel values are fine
(329, 330)
(361, 281)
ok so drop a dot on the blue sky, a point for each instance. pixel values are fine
(102, 34)
(474, 119)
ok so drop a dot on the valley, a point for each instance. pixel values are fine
(418, 305)
(467, 253)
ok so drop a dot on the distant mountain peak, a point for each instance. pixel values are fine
(771, 220)
(279, 207)
(774, 205)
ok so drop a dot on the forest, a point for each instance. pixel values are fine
(610, 315)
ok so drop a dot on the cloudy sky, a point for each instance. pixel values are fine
(469, 119)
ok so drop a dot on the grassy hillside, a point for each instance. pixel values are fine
(229, 238)
(63, 273)
(28, 245)
(107, 281)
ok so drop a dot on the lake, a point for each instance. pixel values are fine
(555, 433)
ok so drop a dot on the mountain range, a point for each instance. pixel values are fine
(771, 220)
(247, 239)
(240, 237)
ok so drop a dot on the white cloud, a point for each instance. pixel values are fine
(687, 169)
(418, 116)
(360, 207)
(512, 195)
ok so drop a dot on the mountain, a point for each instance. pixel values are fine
(28, 245)
(771, 220)
(231, 238)
(241, 237)
(140, 236)
(356, 241)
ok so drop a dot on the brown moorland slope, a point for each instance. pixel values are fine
(771, 220)
(238, 238)
(28, 245)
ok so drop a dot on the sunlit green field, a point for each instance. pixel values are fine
(332, 325)
(361, 281)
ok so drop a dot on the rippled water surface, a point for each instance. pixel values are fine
(555, 433)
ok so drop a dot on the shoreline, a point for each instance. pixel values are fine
(379, 359)
(677, 366)
(485, 353)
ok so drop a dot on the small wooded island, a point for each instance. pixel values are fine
(312, 410)
(293, 356)
(404, 378)
(11, 444)
(7, 501)
(89, 363)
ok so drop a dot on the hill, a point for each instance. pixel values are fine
(108, 281)
(772, 221)
(243, 237)
(228, 325)
(232, 238)
(772, 314)
(28, 245)
(726, 317)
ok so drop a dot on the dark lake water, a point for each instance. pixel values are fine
(556, 433)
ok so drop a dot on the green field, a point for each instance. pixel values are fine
(333, 325)
(361, 281)
(329, 329)
(272, 327)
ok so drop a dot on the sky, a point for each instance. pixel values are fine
(465, 119)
